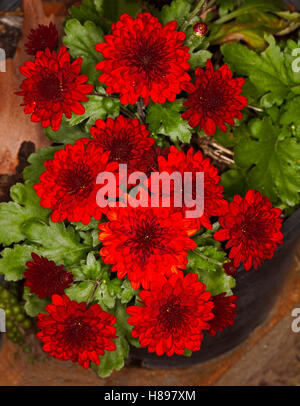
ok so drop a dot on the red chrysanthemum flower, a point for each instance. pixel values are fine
(229, 269)
(214, 99)
(149, 160)
(53, 87)
(214, 203)
(172, 315)
(73, 331)
(252, 228)
(68, 186)
(124, 138)
(144, 59)
(145, 243)
(45, 278)
(42, 37)
(224, 312)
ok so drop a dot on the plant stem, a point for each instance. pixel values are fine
(126, 112)
(97, 284)
(255, 108)
(192, 15)
(141, 110)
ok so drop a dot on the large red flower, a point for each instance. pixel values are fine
(42, 37)
(214, 99)
(68, 186)
(252, 228)
(144, 59)
(214, 203)
(45, 278)
(172, 315)
(224, 311)
(73, 331)
(145, 243)
(53, 87)
(124, 138)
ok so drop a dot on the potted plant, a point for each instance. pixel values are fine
(131, 95)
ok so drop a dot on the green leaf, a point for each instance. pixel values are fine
(93, 225)
(166, 119)
(198, 50)
(249, 27)
(113, 9)
(208, 258)
(33, 304)
(36, 160)
(127, 292)
(56, 241)
(80, 292)
(178, 10)
(290, 115)
(96, 107)
(115, 360)
(269, 72)
(217, 281)
(225, 6)
(89, 268)
(234, 182)
(13, 261)
(66, 134)
(104, 297)
(272, 163)
(81, 41)
(252, 7)
(13, 215)
(89, 10)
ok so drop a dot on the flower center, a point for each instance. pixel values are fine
(252, 227)
(212, 97)
(78, 180)
(146, 237)
(172, 315)
(149, 57)
(120, 147)
(49, 88)
(77, 331)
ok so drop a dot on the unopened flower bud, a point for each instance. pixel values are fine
(200, 29)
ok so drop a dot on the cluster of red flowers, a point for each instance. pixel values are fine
(142, 60)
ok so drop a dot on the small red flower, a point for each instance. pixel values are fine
(224, 312)
(172, 315)
(214, 99)
(145, 243)
(252, 228)
(214, 203)
(124, 138)
(68, 186)
(229, 268)
(53, 87)
(149, 160)
(73, 331)
(45, 278)
(44, 36)
(144, 59)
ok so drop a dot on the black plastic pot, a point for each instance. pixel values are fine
(257, 292)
